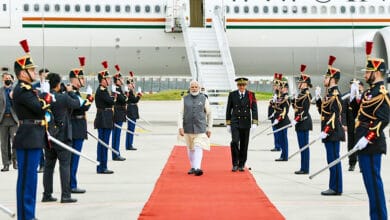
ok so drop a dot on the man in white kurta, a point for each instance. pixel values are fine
(195, 122)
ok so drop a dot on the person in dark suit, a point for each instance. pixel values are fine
(104, 117)
(60, 127)
(119, 113)
(31, 135)
(79, 122)
(373, 117)
(330, 108)
(241, 117)
(132, 111)
(302, 119)
(8, 123)
(271, 110)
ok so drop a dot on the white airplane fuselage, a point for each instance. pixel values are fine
(264, 36)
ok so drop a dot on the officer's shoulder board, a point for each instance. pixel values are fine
(25, 86)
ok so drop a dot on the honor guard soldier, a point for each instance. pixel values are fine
(104, 117)
(282, 106)
(241, 117)
(119, 113)
(302, 119)
(271, 109)
(60, 127)
(132, 113)
(349, 116)
(79, 122)
(330, 108)
(31, 135)
(372, 118)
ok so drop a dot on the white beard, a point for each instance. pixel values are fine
(194, 93)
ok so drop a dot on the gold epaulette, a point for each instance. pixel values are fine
(335, 92)
(228, 122)
(384, 91)
(25, 86)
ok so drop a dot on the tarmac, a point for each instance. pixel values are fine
(123, 194)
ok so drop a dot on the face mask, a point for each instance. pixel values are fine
(8, 82)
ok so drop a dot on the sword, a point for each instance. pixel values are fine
(146, 121)
(254, 136)
(129, 119)
(128, 131)
(280, 129)
(335, 162)
(304, 147)
(66, 147)
(7, 211)
(103, 143)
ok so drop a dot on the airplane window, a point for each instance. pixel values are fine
(67, 8)
(147, 8)
(352, 9)
(362, 10)
(77, 8)
(227, 9)
(127, 8)
(137, 8)
(97, 8)
(304, 9)
(314, 10)
(36, 7)
(157, 8)
(371, 9)
(333, 10)
(381, 9)
(342, 9)
(265, 9)
(324, 9)
(87, 8)
(275, 9)
(256, 9)
(47, 7)
(294, 9)
(246, 9)
(117, 8)
(4, 7)
(26, 7)
(108, 8)
(57, 7)
(236, 9)
(285, 9)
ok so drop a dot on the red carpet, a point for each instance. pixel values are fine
(218, 194)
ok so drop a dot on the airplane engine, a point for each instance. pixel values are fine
(382, 45)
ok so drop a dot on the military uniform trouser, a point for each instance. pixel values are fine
(74, 163)
(335, 177)
(130, 137)
(303, 140)
(239, 146)
(116, 139)
(104, 135)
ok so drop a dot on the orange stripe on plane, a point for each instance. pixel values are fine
(319, 20)
(94, 19)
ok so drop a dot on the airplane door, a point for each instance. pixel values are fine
(5, 15)
(196, 13)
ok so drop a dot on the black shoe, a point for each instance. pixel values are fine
(235, 168)
(119, 158)
(274, 149)
(351, 168)
(241, 169)
(131, 148)
(41, 169)
(191, 171)
(198, 172)
(280, 159)
(14, 164)
(77, 190)
(106, 172)
(5, 168)
(330, 192)
(301, 172)
(68, 200)
(48, 199)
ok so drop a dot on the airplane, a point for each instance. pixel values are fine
(265, 36)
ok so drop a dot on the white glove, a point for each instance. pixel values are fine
(229, 129)
(139, 89)
(253, 127)
(323, 135)
(82, 101)
(113, 89)
(362, 143)
(293, 123)
(274, 98)
(276, 121)
(354, 91)
(318, 93)
(125, 88)
(89, 90)
(45, 87)
(295, 95)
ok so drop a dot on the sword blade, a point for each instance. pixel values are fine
(146, 121)
(135, 123)
(7, 211)
(280, 129)
(68, 148)
(303, 148)
(103, 143)
(254, 136)
(128, 131)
